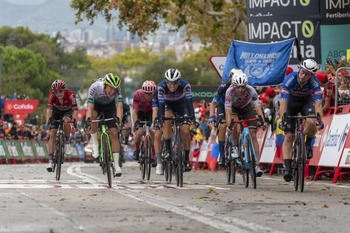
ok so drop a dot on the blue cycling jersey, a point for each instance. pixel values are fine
(291, 87)
(183, 94)
(220, 93)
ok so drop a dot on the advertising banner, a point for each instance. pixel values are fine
(335, 11)
(203, 92)
(20, 106)
(271, 21)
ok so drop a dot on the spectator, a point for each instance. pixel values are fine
(344, 92)
(2, 131)
(328, 91)
(13, 133)
(202, 109)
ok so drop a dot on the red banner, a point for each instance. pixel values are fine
(20, 106)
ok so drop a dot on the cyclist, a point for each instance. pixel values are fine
(218, 102)
(104, 96)
(126, 122)
(157, 132)
(62, 103)
(142, 111)
(241, 100)
(301, 93)
(175, 98)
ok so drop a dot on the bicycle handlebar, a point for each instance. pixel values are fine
(177, 118)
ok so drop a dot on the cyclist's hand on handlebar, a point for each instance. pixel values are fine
(320, 124)
(137, 125)
(87, 125)
(283, 124)
(212, 120)
(156, 124)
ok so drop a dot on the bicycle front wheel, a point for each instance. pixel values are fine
(230, 166)
(107, 158)
(142, 160)
(251, 156)
(301, 164)
(59, 155)
(178, 152)
(148, 161)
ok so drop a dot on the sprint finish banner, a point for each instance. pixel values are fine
(265, 64)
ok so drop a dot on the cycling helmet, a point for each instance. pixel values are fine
(148, 86)
(172, 75)
(58, 85)
(309, 65)
(234, 71)
(239, 79)
(112, 80)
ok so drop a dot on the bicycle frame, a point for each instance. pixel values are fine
(106, 157)
(146, 150)
(178, 149)
(247, 154)
(299, 151)
(59, 148)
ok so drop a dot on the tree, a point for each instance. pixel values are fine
(214, 22)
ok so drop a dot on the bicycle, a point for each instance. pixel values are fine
(122, 140)
(247, 157)
(299, 151)
(145, 158)
(58, 157)
(176, 156)
(106, 158)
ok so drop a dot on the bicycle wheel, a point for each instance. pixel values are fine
(148, 160)
(229, 164)
(242, 163)
(252, 163)
(59, 155)
(301, 164)
(296, 152)
(142, 160)
(178, 153)
(107, 158)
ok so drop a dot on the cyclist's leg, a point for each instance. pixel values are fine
(167, 132)
(236, 132)
(93, 131)
(310, 129)
(222, 132)
(293, 108)
(51, 144)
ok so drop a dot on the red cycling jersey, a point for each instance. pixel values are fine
(68, 102)
(140, 102)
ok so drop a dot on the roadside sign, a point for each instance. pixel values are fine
(218, 62)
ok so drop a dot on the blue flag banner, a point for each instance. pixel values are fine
(265, 64)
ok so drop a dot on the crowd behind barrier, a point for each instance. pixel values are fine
(27, 142)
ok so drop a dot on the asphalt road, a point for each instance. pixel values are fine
(33, 201)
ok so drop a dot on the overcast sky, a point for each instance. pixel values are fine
(26, 2)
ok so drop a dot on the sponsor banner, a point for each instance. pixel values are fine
(264, 63)
(269, 148)
(4, 152)
(335, 141)
(203, 93)
(320, 140)
(335, 11)
(20, 106)
(270, 21)
(335, 42)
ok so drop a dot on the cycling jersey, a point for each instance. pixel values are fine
(69, 101)
(291, 87)
(220, 93)
(232, 100)
(140, 102)
(97, 94)
(155, 103)
(181, 97)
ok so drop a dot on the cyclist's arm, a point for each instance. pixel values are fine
(259, 111)
(90, 108)
(120, 111)
(228, 104)
(318, 107)
(283, 107)
(212, 108)
(48, 114)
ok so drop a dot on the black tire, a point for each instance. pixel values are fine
(228, 149)
(301, 165)
(142, 160)
(107, 158)
(59, 155)
(252, 164)
(296, 152)
(148, 159)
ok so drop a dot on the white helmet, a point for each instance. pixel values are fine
(172, 75)
(239, 79)
(309, 65)
(234, 71)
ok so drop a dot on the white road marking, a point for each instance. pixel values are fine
(200, 214)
